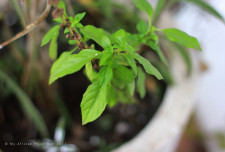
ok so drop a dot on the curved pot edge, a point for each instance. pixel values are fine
(162, 133)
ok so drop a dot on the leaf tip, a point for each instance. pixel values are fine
(42, 44)
(50, 81)
(160, 77)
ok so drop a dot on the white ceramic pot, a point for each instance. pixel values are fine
(162, 133)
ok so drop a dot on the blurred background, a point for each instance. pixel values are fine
(37, 117)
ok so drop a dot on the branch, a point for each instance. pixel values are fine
(31, 26)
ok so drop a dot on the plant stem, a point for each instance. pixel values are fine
(31, 26)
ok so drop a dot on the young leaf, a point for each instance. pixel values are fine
(66, 30)
(142, 27)
(69, 63)
(130, 88)
(111, 96)
(141, 83)
(62, 5)
(51, 33)
(77, 19)
(53, 48)
(118, 59)
(144, 6)
(149, 68)
(181, 37)
(153, 36)
(124, 74)
(105, 75)
(104, 58)
(96, 34)
(118, 36)
(159, 52)
(91, 74)
(58, 20)
(94, 102)
(131, 62)
(79, 25)
(72, 42)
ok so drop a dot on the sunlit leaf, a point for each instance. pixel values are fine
(69, 63)
(142, 27)
(94, 102)
(53, 48)
(144, 6)
(181, 37)
(50, 35)
(98, 35)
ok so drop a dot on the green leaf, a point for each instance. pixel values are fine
(66, 30)
(77, 19)
(144, 6)
(119, 36)
(159, 52)
(80, 16)
(149, 68)
(91, 74)
(58, 20)
(50, 34)
(118, 59)
(62, 5)
(181, 37)
(95, 98)
(129, 48)
(141, 83)
(105, 75)
(111, 96)
(131, 62)
(153, 36)
(79, 25)
(53, 48)
(93, 103)
(142, 27)
(69, 63)
(118, 83)
(96, 34)
(131, 88)
(104, 58)
(72, 42)
(124, 74)
(203, 5)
